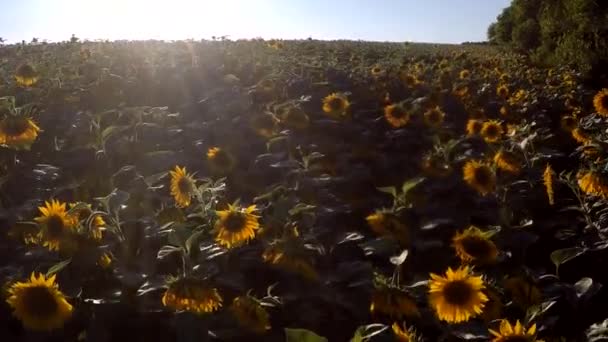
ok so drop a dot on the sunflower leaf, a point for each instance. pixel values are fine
(302, 335)
(58, 267)
(410, 184)
(389, 190)
(561, 256)
(399, 259)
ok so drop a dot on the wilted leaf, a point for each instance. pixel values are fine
(399, 259)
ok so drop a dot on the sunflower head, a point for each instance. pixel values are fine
(396, 115)
(38, 303)
(220, 160)
(26, 75)
(593, 183)
(250, 314)
(491, 131)
(386, 223)
(193, 295)
(410, 80)
(474, 127)
(236, 225)
(475, 246)
(461, 90)
(95, 224)
(464, 74)
(183, 186)
(548, 183)
(290, 256)
(18, 132)
(568, 123)
(401, 333)
(434, 117)
(600, 102)
(479, 176)
(514, 333)
(507, 161)
(376, 71)
(336, 105)
(580, 135)
(295, 117)
(55, 224)
(265, 125)
(502, 91)
(457, 296)
(393, 302)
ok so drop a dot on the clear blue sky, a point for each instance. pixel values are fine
(441, 21)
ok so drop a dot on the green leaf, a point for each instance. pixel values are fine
(111, 130)
(299, 208)
(561, 256)
(58, 267)
(302, 335)
(410, 184)
(389, 190)
(193, 241)
(365, 332)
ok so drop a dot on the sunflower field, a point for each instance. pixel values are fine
(299, 191)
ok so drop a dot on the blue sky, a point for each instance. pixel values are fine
(441, 21)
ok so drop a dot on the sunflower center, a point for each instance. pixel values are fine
(40, 302)
(235, 222)
(185, 185)
(477, 247)
(491, 131)
(398, 113)
(458, 292)
(335, 104)
(54, 226)
(483, 176)
(604, 101)
(14, 127)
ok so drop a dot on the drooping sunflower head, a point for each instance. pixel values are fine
(593, 183)
(265, 125)
(193, 295)
(26, 75)
(250, 314)
(475, 246)
(434, 117)
(94, 224)
(18, 132)
(393, 302)
(474, 127)
(396, 115)
(336, 105)
(290, 256)
(183, 186)
(220, 160)
(386, 223)
(514, 333)
(55, 224)
(236, 225)
(39, 304)
(457, 296)
(502, 91)
(295, 117)
(491, 131)
(581, 136)
(479, 176)
(600, 102)
(507, 161)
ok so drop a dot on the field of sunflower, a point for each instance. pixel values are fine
(299, 191)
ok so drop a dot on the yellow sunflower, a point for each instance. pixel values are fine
(336, 105)
(475, 246)
(600, 102)
(581, 136)
(502, 91)
(105, 260)
(474, 127)
(593, 183)
(220, 160)
(403, 334)
(507, 161)
(393, 302)
(479, 176)
(295, 117)
(290, 260)
(18, 132)
(377, 71)
(385, 223)
(55, 224)
(491, 131)
(26, 75)
(464, 74)
(39, 304)
(504, 111)
(434, 117)
(568, 123)
(265, 125)
(396, 115)
(250, 314)
(193, 295)
(548, 182)
(183, 186)
(236, 225)
(83, 214)
(517, 332)
(457, 296)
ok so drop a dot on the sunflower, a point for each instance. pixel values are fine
(434, 117)
(580, 136)
(464, 74)
(475, 246)
(96, 224)
(287, 257)
(513, 333)
(461, 90)
(507, 161)
(523, 291)
(548, 182)
(504, 111)
(396, 115)
(474, 127)
(220, 160)
(568, 123)
(600, 102)
(491, 131)
(105, 260)
(250, 314)
(385, 223)
(502, 91)
(458, 296)
(377, 71)
(193, 295)
(183, 186)
(409, 80)
(265, 125)
(236, 225)
(479, 176)
(593, 183)
(39, 304)
(55, 223)
(336, 105)
(403, 334)
(295, 117)
(393, 302)
(26, 75)
(18, 132)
